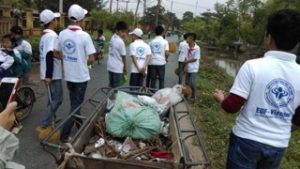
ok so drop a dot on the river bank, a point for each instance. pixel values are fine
(215, 124)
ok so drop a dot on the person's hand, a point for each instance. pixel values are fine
(142, 70)
(125, 71)
(219, 95)
(47, 81)
(7, 116)
(91, 59)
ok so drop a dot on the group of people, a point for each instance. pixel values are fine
(74, 47)
(15, 55)
(265, 91)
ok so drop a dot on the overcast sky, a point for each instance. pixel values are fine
(179, 6)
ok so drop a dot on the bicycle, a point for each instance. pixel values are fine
(25, 98)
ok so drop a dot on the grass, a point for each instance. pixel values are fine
(216, 124)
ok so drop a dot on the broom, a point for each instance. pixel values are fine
(43, 133)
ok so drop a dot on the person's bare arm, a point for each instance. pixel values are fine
(91, 59)
(134, 61)
(125, 64)
(148, 59)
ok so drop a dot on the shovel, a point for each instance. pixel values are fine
(43, 133)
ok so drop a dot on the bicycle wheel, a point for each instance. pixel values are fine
(25, 98)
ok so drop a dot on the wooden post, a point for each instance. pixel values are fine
(29, 21)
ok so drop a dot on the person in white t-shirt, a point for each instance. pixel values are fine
(191, 63)
(181, 57)
(160, 52)
(77, 51)
(266, 91)
(50, 66)
(140, 53)
(116, 62)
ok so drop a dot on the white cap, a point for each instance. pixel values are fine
(76, 13)
(46, 16)
(137, 31)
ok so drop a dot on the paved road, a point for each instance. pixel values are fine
(31, 153)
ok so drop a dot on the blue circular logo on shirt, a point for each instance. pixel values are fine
(279, 93)
(156, 48)
(69, 47)
(140, 51)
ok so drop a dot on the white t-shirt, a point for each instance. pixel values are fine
(182, 47)
(140, 50)
(117, 49)
(192, 53)
(76, 45)
(158, 46)
(272, 92)
(25, 47)
(48, 42)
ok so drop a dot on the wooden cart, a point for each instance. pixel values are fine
(187, 144)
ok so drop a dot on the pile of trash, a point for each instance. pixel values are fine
(104, 146)
(135, 127)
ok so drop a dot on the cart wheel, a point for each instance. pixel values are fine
(25, 98)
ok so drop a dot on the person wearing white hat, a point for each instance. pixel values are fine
(140, 53)
(50, 65)
(78, 51)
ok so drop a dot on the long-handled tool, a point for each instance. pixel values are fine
(43, 133)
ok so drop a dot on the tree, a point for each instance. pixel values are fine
(150, 16)
(171, 20)
(100, 23)
(187, 16)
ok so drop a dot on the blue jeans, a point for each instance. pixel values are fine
(57, 96)
(136, 79)
(181, 72)
(76, 92)
(190, 80)
(249, 154)
(114, 79)
(157, 72)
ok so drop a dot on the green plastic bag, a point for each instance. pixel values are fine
(138, 122)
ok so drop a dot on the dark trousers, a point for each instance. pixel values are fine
(136, 79)
(157, 72)
(76, 93)
(114, 79)
(190, 80)
(249, 154)
(180, 72)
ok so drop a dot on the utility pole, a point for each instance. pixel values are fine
(145, 7)
(172, 3)
(135, 14)
(117, 6)
(157, 12)
(110, 6)
(61, 6)
(196, 8)
(127, 1)
(61, 10)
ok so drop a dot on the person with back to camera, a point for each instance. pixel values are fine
(140, 53)
(160, 52)
(267, 94)
(77, 51)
